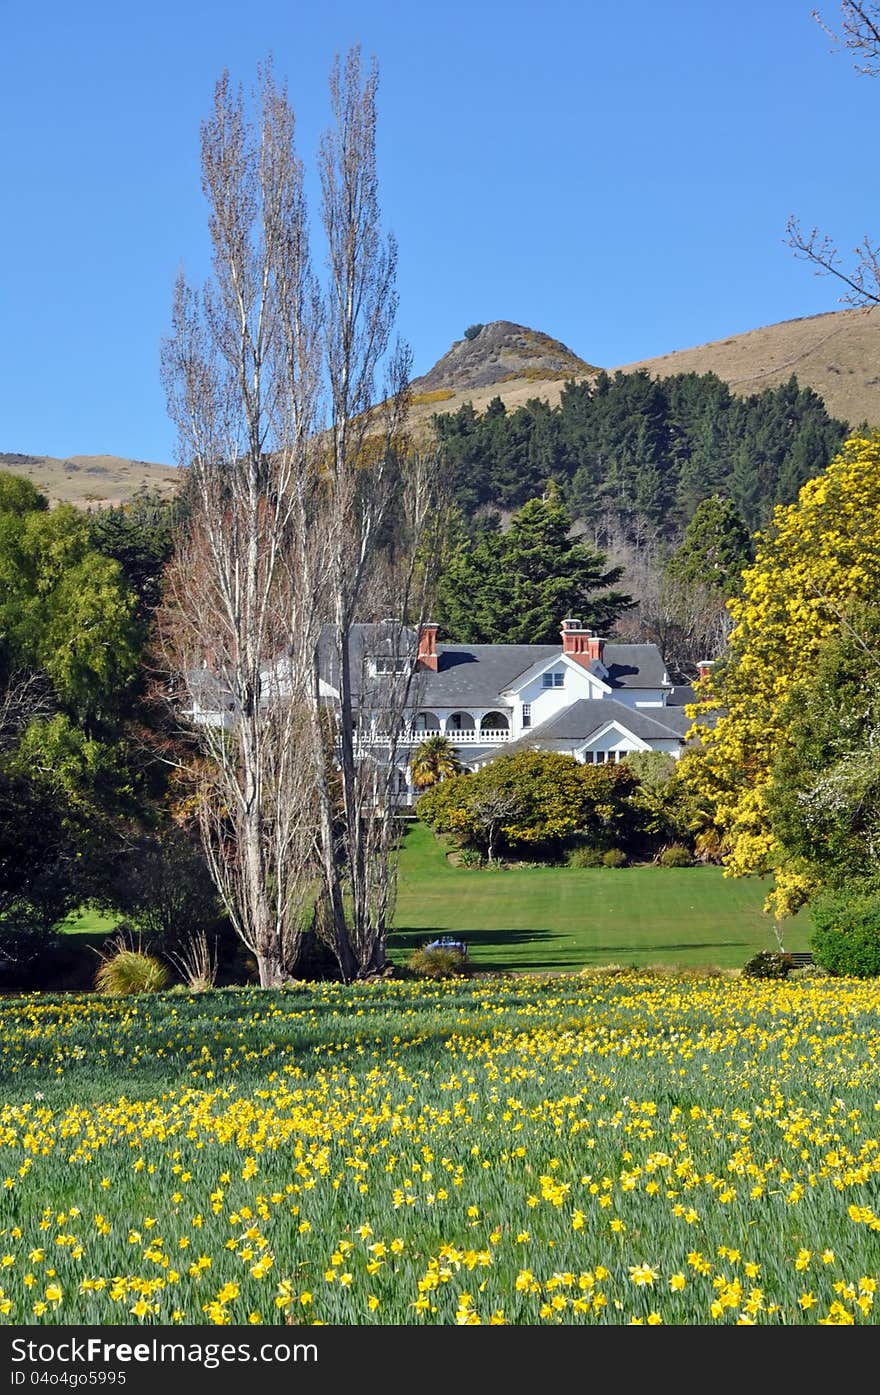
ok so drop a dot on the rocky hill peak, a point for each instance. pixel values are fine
(498, 353)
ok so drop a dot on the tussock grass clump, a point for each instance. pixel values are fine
(438, 963)
(127, 969)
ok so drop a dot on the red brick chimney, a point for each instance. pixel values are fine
(704, 668)
(581, 644)
(427, 657)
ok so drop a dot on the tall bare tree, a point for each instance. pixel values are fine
(380, 501)
(860, 34)
(242, 374)
(310, 518)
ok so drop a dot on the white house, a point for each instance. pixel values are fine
(583, 696)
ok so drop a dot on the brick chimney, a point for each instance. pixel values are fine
(427, 657)
(581, 644)
(704, 668)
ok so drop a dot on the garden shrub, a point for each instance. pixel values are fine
(614, 857)
(438, 963)
(126, 969)
(846, 934)
(769, 963)
(676, 855)
(470, 857)
(809, 971)
(585, 857)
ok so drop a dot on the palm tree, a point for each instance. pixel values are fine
(433, 761)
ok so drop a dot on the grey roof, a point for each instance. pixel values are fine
(477, 674)
(635, 666)
(385, 637)
(585, 717)
(680, 695)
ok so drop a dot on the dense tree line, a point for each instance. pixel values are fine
(84, 796)
(643, 450)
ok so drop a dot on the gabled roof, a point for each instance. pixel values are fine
(635, 666)
(475, 675)
(584, 718)
(558, 656)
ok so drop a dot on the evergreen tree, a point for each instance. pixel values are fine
(716, 548)
(516, 587)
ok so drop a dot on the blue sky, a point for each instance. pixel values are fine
(618, 176)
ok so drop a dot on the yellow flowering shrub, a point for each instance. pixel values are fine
(820, 556)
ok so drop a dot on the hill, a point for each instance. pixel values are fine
(837, 355)
(503, 360)
(90, 481)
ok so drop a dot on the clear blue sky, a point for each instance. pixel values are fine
(617, 175)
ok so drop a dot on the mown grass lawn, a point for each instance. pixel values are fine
(89, 921)
(557, 918)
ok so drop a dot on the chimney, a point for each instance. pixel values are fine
(704, 669)
(427, 657)
(581, 644)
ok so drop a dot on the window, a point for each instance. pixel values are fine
(553, 680)
(391, 665)
(527, 714)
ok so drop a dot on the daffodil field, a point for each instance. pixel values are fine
(597, 1148)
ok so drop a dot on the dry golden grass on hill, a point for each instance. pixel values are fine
(837, 354)
(90, 481)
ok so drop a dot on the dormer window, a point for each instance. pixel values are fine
(553, 680)
(390, 666)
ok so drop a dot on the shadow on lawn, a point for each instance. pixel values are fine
(487, 948)
(405, 941)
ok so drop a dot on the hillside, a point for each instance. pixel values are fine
(504, 360)
(90, 481)
(837, 355)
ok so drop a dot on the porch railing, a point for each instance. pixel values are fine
(486, 737)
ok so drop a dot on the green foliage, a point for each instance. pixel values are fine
(676, 856)
(438, 963)
(19, 497)
(824, 798)
(139, 535)
(661, 801)
(432, 761)
(125, 971)
(584, 857)
(715, 549)
(642, 449)
(769, 963)
(515, 587)
(535, 799)
(614, 857)
(160, 882)
(65, 611)
(472, 331)
(41, 874)
(846, 934)
(470, 857)
(820, 561)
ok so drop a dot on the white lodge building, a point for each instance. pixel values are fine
(584, 697)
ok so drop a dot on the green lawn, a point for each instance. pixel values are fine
(548, 918)
(90, 922)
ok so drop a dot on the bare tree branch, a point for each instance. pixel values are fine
(860, 34)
